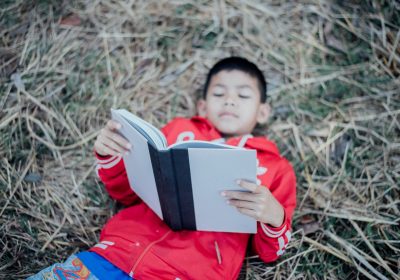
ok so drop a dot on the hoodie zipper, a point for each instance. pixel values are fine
(145, 251)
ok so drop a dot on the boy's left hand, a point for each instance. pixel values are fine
(259, 203)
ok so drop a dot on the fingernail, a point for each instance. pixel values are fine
(223, 193)
(228, 202)
(238, 181)
(129, 146)
(119, 126)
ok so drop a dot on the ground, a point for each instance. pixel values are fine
(333, 72)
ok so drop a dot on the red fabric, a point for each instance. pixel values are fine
(140, 244)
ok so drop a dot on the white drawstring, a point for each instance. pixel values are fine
(244, 139)
(219, 258)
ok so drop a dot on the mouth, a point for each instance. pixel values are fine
(227, 115)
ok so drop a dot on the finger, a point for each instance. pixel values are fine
(118, 139)
(248, 212)
(114, 146)
(107, 150)
(243, 204)
(249, 196)
(105, 141)
(253, 187)
(113, 125)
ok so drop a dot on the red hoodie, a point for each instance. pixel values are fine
(142, 245)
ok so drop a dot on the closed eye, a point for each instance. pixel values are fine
(244, 96)
(217, 94)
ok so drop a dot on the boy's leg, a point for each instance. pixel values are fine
(72, 268)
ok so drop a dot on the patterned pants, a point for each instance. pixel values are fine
(71, 269)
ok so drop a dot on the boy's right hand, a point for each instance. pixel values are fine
(109, 142)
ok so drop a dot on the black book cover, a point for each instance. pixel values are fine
(184, 187)
(172, 175)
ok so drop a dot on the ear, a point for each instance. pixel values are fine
(263, 113)
(202, 108)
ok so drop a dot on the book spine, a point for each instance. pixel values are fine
(166, 187)
(183, 180)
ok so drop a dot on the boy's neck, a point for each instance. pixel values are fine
(230, 136)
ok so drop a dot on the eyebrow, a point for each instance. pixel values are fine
(238, 87)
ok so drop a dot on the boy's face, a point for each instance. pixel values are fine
(233, 103)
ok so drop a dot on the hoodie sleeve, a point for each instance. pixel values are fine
(270, 242)
(111, 171)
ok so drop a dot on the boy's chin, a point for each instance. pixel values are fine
(227, 132)
(231, 129)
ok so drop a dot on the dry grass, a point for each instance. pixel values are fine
(333, 70)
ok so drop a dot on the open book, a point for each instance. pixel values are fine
(182, 183)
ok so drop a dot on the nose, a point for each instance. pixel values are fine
(229, 101)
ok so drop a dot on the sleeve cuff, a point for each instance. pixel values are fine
(108, 161)
(274, 232)
(98, 156)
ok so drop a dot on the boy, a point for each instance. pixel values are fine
(135, 243)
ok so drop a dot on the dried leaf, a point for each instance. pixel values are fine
(307, 219)
(17, 81)
(311, 227)
(339, 148)
(71, 20)
(33, 178)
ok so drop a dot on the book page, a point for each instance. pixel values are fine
(138, 165)
(150, 132)
(201, 144)
(213, 171)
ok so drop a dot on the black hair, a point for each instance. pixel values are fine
(240, 64)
